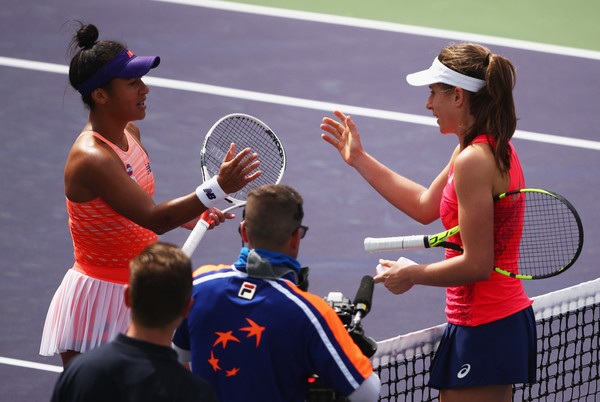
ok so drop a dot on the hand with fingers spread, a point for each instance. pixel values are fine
(344, 136)
(236, 172)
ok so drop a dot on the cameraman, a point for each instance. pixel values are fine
(253, 333)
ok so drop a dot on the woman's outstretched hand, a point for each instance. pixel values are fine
(342, 135)
(236, 172)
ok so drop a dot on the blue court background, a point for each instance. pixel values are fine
(334, 63)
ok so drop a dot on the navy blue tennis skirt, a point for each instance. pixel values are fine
(498, 353)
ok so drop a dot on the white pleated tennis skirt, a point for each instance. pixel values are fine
(85, 312)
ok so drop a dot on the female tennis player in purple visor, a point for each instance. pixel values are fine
(109, 186)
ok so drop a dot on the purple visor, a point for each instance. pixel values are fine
(123, 65)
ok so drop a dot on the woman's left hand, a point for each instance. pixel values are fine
(213, 216)
(396, 277)
(343, 135)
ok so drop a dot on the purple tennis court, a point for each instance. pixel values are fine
(289, 73)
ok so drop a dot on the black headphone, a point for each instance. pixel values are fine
(240, 227)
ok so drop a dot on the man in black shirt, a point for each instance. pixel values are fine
(140, 365)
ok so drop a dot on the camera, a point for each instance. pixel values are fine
(351, 314)
(347, 312)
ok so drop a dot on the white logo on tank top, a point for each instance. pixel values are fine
(129, 170)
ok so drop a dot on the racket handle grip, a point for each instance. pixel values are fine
(196, 236)
(373, 244)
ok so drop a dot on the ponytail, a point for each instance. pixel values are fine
(493, 105)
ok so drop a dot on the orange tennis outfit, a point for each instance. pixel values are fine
(500, 295)
(88, 308)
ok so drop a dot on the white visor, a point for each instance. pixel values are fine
(439, 73)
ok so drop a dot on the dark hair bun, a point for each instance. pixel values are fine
(87, 35)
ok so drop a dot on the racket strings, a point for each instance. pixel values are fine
(245, 132)
(549, 239)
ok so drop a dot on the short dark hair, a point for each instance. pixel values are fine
(272, 214)
(160, 285)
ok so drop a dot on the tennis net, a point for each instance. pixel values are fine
(568, 360)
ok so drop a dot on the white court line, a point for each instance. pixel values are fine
(32, 365)
(34, 65)
(390, 27)
(301, 103)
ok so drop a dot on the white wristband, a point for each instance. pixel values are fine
(210, 193)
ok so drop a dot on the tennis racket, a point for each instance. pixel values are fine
(245, 132)
(538, 234)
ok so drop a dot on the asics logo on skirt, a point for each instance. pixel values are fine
(464, 371)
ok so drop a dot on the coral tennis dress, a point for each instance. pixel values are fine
(88, 307)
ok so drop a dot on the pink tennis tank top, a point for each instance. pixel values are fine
(105, 241)
(500, 295)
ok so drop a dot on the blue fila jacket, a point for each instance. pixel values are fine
(260, 339)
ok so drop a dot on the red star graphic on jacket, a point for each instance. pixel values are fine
(225, 337)
(253, 330)
(222, 356)
(214, 362)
